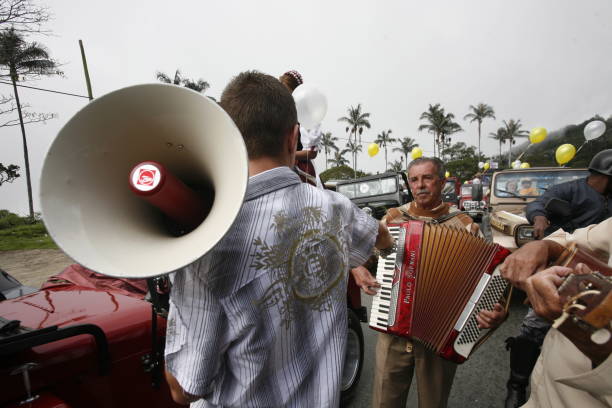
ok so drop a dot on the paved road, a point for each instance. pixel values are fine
(479, 382)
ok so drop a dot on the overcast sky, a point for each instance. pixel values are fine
(545, 62)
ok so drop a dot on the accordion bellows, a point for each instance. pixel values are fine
(435, 284)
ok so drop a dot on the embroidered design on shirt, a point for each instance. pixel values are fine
(307, 263)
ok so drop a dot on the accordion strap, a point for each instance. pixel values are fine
(398, 212)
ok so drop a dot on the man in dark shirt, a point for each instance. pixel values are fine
(588, 198)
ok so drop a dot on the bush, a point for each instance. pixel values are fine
(340, 173)
(9, 220)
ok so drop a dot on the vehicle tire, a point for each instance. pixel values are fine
(353, 362)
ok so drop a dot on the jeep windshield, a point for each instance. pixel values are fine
(386, 185)
(532, 184)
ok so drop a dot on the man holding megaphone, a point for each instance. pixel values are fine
(261, 319)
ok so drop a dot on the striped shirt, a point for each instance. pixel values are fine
(260, 321)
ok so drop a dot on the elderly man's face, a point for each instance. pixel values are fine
(426, 185)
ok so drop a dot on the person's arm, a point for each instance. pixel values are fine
(196, 336)
(529, 259)
(536, 212)
(305, 155)
(178, 394)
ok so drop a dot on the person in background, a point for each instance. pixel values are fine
(589, 200)
(527, 188)
(566, 375)
(309, 139)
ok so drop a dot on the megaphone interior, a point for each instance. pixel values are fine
(87, 204)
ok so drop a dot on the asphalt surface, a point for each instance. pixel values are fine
(480, 382)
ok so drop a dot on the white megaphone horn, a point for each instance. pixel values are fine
(87, 204)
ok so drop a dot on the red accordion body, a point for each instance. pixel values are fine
(435, 284)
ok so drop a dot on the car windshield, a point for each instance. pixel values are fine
(532, 184)
(367, 188)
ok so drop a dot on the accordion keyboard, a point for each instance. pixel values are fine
(381, 302)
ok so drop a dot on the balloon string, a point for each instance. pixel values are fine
(521, 155)
(581, 146)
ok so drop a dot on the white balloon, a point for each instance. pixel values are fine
(516, 164)
(480, 165)
(311, 105)
(594, 129)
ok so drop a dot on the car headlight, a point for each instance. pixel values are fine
(367, 210)
(523, 235)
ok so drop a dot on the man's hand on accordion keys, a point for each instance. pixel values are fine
(488, 319)
(365, 280)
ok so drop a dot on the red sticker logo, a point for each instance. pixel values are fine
(146, 177)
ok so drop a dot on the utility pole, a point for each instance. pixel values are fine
(86, 70)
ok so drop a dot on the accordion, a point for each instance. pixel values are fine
(435, 284)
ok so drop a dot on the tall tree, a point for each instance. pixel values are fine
(479, 113)
(23, 60)
(406, 146)
(329, 143)
(356, 121)
(339, 159)
(23, 15)
(440, 124)
(199, 86)
(500, 136)
(384, 139)
(353, 148)
(513, 130)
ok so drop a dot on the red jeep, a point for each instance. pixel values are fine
(87, 340)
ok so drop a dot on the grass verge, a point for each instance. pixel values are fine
(30, 236)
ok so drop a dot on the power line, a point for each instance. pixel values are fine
(46, 90)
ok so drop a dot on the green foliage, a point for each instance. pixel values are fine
(543, 154)
(8, 173)
(340, 173)
(199, 85)
(356, 121)
(463, 160)
(440, 124)
(23, 232)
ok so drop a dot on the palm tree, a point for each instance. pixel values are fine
(499, 135)
(384, 139)
(328, 143)
(440, 124)
(397, 166)
(339, 159)
(478, 114)
(513, 130)
(354, 148)
(23, 59)
(199, 86)
(406, 146)
(356, 121)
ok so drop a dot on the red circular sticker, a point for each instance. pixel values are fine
(146, 177)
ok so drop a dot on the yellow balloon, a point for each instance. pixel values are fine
(537, 135)
(373, 149)
(565, 153)
(525, 165)
(447, 174)
(486, 166)
(416, 153)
